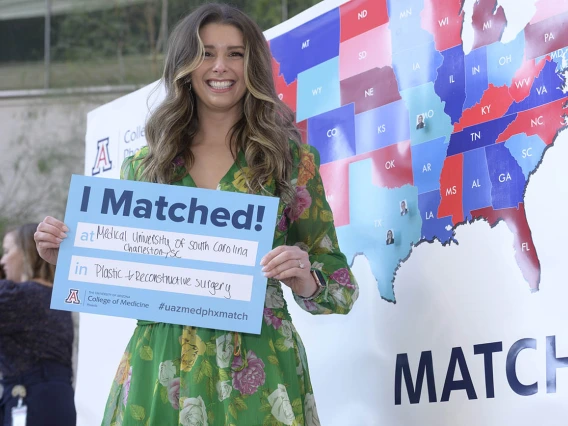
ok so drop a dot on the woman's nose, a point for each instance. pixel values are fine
(219, 66)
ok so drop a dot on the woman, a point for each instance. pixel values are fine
(390, 237)
(223, 127)
(35, 341)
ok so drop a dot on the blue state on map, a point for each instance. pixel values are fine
(424, 101)
(427, 162)
(318, 90)
(333, 133)
(527, 150)
(507, 179)
(307, 46)
(450, 82)
(433, 227)
(504, 59)
(405, 25)
(478, 135)
(381, 127)
(476, 182)
(369, 225)
(416, 65)
(476, 78)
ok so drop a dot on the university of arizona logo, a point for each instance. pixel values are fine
(102, 160)
(73, 297)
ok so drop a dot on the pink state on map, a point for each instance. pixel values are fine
(371, 49)
(546, 9)
(335, 178)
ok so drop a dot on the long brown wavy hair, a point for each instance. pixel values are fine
(265, 128)
(33, 265)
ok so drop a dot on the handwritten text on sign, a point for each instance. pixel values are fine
(161, 278)
(166, 244)
(165, 253)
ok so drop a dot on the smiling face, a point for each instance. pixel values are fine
(219, 82)
(13, 259)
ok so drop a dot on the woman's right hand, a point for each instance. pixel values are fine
(48, 237)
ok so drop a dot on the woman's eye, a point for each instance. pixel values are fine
(237, 54)
(207, 54)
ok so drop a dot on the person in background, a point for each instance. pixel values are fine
(223, 127)
(35, 341)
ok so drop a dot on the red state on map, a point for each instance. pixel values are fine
(360, 16)
(487, 25)
(303, 128)
(451, 189)
(546, 36)
(493, 104)
(335, 177)
(392, 165)
(545, 121)
(444, 19)
(524, 79)
(370, 89)
(392, 168)
(286, 92)
(525, 252)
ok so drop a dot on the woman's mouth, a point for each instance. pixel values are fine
(220, 85)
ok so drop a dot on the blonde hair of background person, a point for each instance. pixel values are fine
(222, 126)
(35, 341)
(31, 266)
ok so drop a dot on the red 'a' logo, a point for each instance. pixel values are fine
(73, 297)
(102, 160)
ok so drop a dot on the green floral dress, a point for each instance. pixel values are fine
(178, 375)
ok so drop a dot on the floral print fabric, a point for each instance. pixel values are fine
(177, 375)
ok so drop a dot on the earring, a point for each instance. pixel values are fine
(190, 85)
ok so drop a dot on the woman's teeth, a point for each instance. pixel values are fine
(220, 84)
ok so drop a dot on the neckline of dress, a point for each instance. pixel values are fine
(235, 166)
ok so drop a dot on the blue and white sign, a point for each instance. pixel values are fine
(165, 253)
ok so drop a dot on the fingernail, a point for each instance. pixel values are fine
(59, 240)
(266, 274)
(262, 261)
(62, 235)
(65, 229)
(263, 269)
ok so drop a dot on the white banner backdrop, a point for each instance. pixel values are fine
(474, 345)
(116, 130)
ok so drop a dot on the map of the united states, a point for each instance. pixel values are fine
(417, 137)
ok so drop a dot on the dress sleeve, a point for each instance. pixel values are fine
(311, 228)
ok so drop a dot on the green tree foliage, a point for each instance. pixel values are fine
(104, 33)
(136, 29)
(268, 13)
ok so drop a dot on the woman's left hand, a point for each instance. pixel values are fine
(291, 265)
